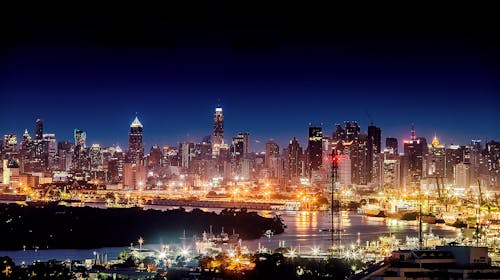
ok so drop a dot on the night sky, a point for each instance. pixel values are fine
(273, 78)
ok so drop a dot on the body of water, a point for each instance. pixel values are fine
(304, 230)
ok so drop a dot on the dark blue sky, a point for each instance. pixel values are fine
(273, 80)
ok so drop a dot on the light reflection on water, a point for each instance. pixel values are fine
(303, 231)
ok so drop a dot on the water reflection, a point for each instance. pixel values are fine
(306, 230)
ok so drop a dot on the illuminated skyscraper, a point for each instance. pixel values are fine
(218, 139)
(314, 148)
(135, 150)
(414, 151)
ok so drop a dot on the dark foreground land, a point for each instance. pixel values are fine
(24, 227)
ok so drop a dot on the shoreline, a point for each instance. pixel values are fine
(60, 227)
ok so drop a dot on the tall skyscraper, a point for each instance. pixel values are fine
(414, 151)
(294, 159)
(314, 148)
(392, 143)
(135, 150)
(39, 129)
(218, 139)
(373, 145)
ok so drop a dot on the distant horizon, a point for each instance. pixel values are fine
(148, 142)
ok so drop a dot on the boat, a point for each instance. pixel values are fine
(292, 206)
(372, 210)
(428, 218)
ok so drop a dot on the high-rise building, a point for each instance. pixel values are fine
(315, 148)
(272, 151)
(454, 154)
(10, 143)
(239, 147)
(155, 156)
(186, 152)
(294, 159)
(135, 151)
(65, 155)
(218, 139)
(80, 157)
(50, 151)
(435, 160)
(96, 158)
(391, 170)
(38, 129)
(374, 143)
(462, 175)
(414, 151)
(134, 176)
(80, 137)
(203, 150)
(349, 141)
(392, 143)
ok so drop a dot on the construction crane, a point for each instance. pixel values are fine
(480, 193)
(438, 188)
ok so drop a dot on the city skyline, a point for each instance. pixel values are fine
(256, 145)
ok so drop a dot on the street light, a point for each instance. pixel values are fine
(140, 243)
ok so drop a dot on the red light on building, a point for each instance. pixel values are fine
(335, 159)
